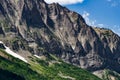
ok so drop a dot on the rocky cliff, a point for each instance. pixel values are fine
(34, 27)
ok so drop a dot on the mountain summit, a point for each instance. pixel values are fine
(33, 27)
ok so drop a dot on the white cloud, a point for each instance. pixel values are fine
(64, 2)
(100, 25)
(114, 3)
(94, 23)
(116, 29)
(87, 19)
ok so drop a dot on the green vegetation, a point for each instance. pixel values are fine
(111, 75)
(18, 67)
(104, 31)
(41, 69)
(6, 75)
(107, 33)
(55, 69)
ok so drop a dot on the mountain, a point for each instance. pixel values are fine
(33, 27)
(37, 68)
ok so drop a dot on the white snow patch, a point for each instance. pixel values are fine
(37, 56)
(73, 46)
(40, 57)
(1, 42)
(65, 2)
(13, 53)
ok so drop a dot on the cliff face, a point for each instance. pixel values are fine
(39, 28)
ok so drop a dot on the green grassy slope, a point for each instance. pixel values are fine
(18, 67)
(6, 75)
(58, 70)
(42, 69)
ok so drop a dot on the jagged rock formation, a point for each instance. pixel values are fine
(36, 27)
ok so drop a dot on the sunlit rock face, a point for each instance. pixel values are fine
(39, 28)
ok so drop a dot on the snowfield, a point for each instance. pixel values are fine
(13, 53)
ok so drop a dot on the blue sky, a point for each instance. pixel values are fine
(100, 13)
